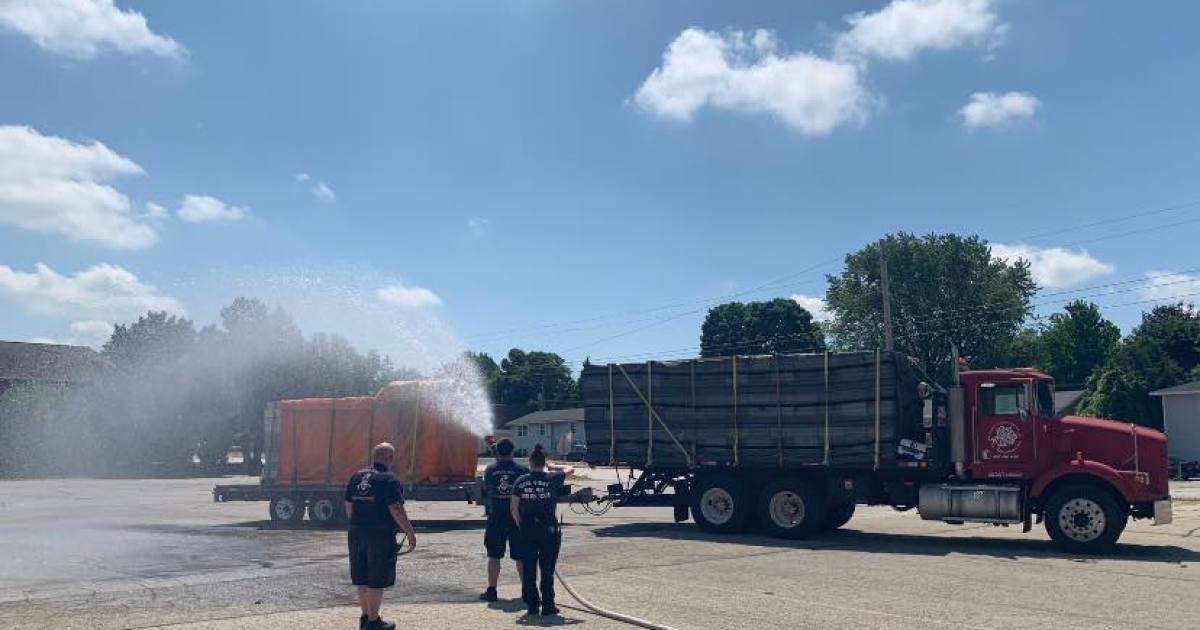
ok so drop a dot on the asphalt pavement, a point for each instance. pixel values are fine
(158, 553)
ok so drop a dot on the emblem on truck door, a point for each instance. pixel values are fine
(1004, 437)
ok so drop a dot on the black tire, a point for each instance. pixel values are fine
(720, 504)
(791, 508)
(1083, 518)
(324, 511)
(838, 514)
(287, 509)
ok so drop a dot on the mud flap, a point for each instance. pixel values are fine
(1163, 514)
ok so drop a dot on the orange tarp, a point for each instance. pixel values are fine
(323, 441)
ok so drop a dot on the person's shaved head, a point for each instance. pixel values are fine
(383, 453)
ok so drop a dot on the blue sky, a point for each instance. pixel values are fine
(427, 175)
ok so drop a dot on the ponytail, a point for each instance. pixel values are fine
(538, 457)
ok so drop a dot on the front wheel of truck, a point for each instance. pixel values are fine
(1083, 518)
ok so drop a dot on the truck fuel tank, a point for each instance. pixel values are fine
(976, 503)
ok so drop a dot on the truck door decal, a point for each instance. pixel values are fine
(1004, 427)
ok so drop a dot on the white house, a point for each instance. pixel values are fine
(557, 431)
(1181, 420)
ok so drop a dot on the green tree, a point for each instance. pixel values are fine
(946, 289)
(534, 380)
(486, 365)
(1163, 351)
(154, 339)
(1076, 342)
(1175, 328)
(1121, 388)
(776, 326)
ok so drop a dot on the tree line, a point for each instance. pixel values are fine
(177, 394)
(949, 291)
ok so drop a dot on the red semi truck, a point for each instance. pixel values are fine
(988, 449)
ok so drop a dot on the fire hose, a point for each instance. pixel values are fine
(590, 607)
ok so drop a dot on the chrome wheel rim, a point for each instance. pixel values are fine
(787, 509)
(716, 504)
(1082, 520)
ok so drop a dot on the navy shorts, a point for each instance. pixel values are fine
(502, 532)
(373, 554)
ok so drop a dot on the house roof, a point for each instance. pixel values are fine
(1186, 388)
(1065, 400)
(48, 362)
(549, 416)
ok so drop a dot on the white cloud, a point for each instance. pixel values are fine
(101, 292)
(156, 212)
(82, 29)
(408, 297)
(203, 209)
(92, 333)
(322, 191)
(1054, 267)
(1168, 286)
(992, 109)
(814, 305)
(750, 73)
(318, 188)
(477, 225)
(904, 28)
(51, 184)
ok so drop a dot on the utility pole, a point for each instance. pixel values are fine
(889, 342)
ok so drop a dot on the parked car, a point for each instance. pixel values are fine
(577, 453)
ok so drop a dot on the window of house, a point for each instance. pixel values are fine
(522, 430)
(541, 429)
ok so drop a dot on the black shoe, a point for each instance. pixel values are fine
(380, 624)
(489, 595)
(362, 622)
(549, 610)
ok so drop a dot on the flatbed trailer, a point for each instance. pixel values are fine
(323, 504)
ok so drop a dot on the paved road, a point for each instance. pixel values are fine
(158, 553)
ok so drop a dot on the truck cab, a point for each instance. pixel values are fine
(1015, 460)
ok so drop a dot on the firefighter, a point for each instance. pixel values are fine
(498, 480)
(375, 506)
(533, 508)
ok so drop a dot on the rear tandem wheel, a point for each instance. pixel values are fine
(287, 508)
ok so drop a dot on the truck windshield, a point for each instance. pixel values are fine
(1002, 399)
(1045, 398)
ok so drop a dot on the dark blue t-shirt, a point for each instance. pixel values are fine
(538, 492)
(498, 481)
(373, 491)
